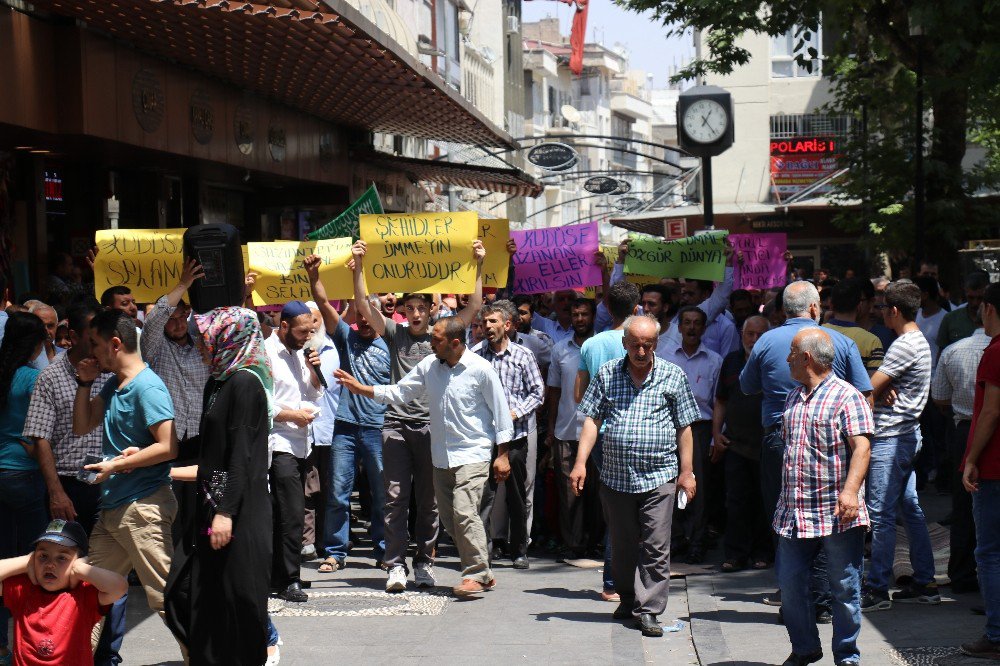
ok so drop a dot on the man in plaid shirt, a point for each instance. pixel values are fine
(827, 426)
(646, 406)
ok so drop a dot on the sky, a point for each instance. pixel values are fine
(607, 23)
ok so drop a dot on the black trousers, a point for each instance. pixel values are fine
(517, 498)
(694, 518)
(748, 532)
(962, 561)
(578, 513)
(86, 499)
(287, 475)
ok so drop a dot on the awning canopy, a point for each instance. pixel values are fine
(653, 221)
(473, 176)
(323, 58)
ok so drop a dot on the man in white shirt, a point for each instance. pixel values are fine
(469, 413)
(296, 390)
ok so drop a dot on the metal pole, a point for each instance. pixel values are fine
(706, 193)
(918, 185)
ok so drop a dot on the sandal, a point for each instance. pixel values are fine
(730, 566)
(329, 565)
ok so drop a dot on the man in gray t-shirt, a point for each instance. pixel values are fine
(901, 386)
(406, 438)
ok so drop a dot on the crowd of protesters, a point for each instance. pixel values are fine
(209, 455)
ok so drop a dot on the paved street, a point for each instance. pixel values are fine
(552, 614)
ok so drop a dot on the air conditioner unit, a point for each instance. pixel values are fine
(513, 25)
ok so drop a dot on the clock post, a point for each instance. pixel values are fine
(705, 129)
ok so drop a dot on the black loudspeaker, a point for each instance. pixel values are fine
(217, 248)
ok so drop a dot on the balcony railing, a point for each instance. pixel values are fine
(806, 124)
(477, 84)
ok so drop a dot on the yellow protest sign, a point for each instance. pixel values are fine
(495, 233)
(147, 261)
(420, 252)
(610, 253)
(641, 280)
(281, 273)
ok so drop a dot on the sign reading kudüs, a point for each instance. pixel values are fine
(420, 252)
(556, 258)
(147, 261)
(552, 156)
(601, 185)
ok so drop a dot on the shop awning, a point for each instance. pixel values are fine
(653, 221)
(324, 58)
(473, 176)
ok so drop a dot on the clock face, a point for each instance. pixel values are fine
(705, 121)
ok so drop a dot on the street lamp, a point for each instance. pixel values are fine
(917, 34)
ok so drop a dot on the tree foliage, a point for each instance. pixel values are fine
(874, 48)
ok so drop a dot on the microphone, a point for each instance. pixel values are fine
(312, 345)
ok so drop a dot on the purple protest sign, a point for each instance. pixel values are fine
(556, 258)
(764, 265)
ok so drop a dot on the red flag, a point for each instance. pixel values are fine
(578, 37)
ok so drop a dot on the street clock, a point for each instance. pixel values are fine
(705, 121)
(705, 129)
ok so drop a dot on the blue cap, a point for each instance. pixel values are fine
(294, 309)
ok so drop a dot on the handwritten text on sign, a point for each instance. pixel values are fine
(147, 261)
(764, 265)
(495, 233)
(700, 257)
(420, 252)
(556, 258)
(281, 273)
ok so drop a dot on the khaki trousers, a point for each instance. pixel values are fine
(459, 491)
(137, 536)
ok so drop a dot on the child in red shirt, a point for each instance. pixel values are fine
(56, 598)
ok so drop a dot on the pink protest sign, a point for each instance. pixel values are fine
(764, 265)
(556, 258)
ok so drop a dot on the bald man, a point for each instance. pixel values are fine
(646, 407)
(827, 426)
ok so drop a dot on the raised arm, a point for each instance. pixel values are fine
(152, 339)
(475, 304)
(331, 318)
(87, 412)
(375, 319)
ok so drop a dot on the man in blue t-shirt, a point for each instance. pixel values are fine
(357, 432)
(137, 504)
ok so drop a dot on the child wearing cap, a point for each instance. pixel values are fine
(56, 598)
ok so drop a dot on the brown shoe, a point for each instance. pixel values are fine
(470, 588)
(490, 585)
(611, 596)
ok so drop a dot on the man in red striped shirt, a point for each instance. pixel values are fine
(827, 428)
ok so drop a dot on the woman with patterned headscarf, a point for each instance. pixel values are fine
(218, 587)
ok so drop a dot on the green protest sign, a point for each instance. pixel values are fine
(346, 224)
(700, 257)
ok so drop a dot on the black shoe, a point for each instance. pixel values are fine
(773, 599)
(978, 610)
(649, 626)
(498, 553)
(848, 662)
(781, 615)
(984, 648)
(824, 616)
(918, 594)
(294, 593)
(695, 556)
(874, 600)
(624, 610)
(521, 562)
(803, 659)
(964, 587)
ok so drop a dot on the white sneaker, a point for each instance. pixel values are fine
(274, 659)
(423, 575)
(397, 579)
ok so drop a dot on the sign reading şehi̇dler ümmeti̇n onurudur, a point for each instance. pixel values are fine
(420, 252)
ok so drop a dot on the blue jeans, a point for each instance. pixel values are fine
(891, 488)
(109, 646)
(985, 509)
(772, 460)
(350, 443)
(272, 632)
(23, 517)
(845, 553)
